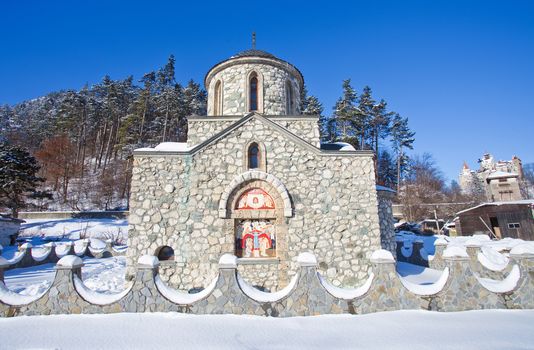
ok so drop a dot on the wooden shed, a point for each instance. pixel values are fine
(513, 219)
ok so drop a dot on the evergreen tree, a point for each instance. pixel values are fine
(18, 177)
(401, 137)
(346, 115)
(386, 170)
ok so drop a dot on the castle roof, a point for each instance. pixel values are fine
(500, 174)
(254, 53)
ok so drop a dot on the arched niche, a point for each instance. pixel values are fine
(268, 182)
(254, 149)
(218, 98)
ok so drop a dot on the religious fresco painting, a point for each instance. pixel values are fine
(255, 199)
(255, 238)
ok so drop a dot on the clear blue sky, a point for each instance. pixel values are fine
(462, 71)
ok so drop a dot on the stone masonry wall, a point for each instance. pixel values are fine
(175, 198)
(308, 295)
(202, 128)
(235, 88)
(385, 216)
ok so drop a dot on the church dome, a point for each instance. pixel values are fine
(253, 81)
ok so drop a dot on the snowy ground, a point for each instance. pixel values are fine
(399, 330)
(75, 228)
(103, 275)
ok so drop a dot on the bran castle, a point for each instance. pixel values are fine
(254, 180)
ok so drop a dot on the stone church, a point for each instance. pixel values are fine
(254, 180)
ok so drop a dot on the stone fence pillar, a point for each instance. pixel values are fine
(523, 295)
(463, 291)
(3, 265)
(437, 262)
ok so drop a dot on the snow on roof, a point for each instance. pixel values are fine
(523, 201)
(337, 146)
(167, 147)
(500, 174)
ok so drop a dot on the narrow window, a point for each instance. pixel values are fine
(253, 106)
(514, 225)
(289, 98)
(253, 156)
(217, 102)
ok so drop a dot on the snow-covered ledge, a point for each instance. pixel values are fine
(523, 250)
(307, 259)
(69, 262)
(228, 261)
(148, 261)
(455, 253)
(382, 256)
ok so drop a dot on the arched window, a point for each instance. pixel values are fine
(165, 253)
(253, 156)
(289, 98)
(253, 92)
(217, 99)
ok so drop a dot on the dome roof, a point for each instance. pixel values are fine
(254, 53)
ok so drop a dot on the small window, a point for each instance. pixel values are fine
(217, 101)
(253, 93)
(165, 253)
(253, 156)
(514, 225)
(289, 98)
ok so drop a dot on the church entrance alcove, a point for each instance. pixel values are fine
(258, 222)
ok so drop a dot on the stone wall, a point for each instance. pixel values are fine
(385, 216)
(272, 77)
(459, 289)
(174, 202)
(202, 128)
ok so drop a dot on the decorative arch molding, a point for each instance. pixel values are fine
(250, 176)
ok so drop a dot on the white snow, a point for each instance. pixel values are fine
(148, 260)
(228, 261)
(345, 146)
(384, 188)
(307, 259)
(16, 299)
(347, 293)
(492, 259)
(167, 147)
(102, 275)
(98, 298)
(523, 249)
(70, 261)
(427, 289)
(183, 298)
(506, 285)
(264, 297)
(74, 228)
(418, 274)
(382, 255)
(455, 252)
(400, 330)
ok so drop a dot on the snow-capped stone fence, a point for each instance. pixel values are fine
(29, 256)
(458, 289)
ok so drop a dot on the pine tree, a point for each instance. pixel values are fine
(18, 177)
(386, 169)
(345, 115)
(363, 118)
(401, 137)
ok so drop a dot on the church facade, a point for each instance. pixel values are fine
(254, 180)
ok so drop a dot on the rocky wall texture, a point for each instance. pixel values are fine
(385, 217)
(175, 198)
(308, 293)
(272, 80)
(202, 128)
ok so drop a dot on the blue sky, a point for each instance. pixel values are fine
(462, 71)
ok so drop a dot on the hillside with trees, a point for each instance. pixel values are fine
(83, 140)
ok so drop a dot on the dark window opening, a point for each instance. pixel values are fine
(253, 93)
(253, 156)
(165, 253)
